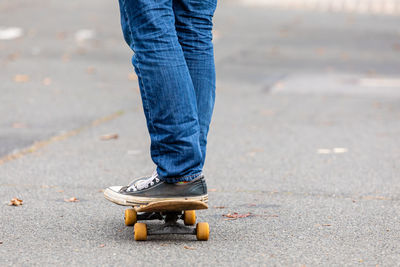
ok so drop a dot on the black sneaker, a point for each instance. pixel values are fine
(146, 190)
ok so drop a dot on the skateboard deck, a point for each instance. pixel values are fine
(171, 205)
(170, 212)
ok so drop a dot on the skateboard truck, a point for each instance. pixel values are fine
(171, 222)
(171, 226)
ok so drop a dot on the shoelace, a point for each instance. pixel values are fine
(143, 184)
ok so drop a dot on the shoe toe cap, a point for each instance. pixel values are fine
(115, 188)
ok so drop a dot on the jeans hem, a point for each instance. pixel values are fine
(186, 178)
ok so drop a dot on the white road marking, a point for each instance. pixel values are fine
(378, 7)
(369, 82)
(84, 35)
(9, 33)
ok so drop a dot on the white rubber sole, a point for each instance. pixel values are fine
(127, 200)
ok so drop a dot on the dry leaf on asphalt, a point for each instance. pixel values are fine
(91, 70)
(132, 76)
(13, 56)
(15, 202)
(186, 247)
(109, 137)
(18, 125)
(61, 35)
(47, 81)
(236, 215)
(219, 207)
(21, 78)
(72, 199)
(66, 57)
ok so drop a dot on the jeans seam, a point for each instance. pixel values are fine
(146, 101)
(138, 63)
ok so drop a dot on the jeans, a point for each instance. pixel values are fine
(174, 61)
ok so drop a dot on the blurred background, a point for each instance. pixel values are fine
(306, 127)
(63, 64)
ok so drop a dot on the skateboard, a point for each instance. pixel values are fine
(170, 212)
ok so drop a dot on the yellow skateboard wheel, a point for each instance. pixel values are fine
(130, 217)
(189, 217)
(202, 231)
(140, 232)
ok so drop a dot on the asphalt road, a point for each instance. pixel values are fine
(305, 139)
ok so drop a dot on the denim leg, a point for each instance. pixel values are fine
(168, 95)
(193, 23)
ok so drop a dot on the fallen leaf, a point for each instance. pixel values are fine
(61, 35)
(326, 224)
(18, 125)
(47, 81)
(91, 70)
(266, 112)
(1, 242)
(72, 199)
(320, 51)
(344, 56)
(15, 202)
(102, 245)
(101, 191)
(132, 76)
(109, 137)
(219, 207)
(278, 85)
(236, 215)
(81, 51)
(186, 247)
(13, 56)
(21, 78)
(66, 57)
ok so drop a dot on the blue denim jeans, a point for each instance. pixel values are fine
(174, 61)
